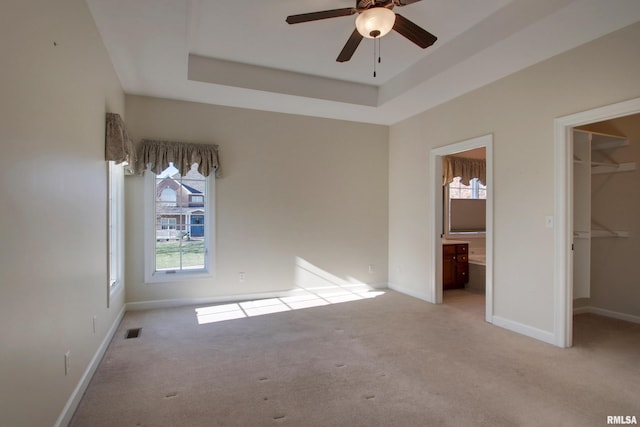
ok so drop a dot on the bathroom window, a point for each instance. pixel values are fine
(475, 189)
(465, 210)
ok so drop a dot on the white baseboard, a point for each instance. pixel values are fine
(582, 310)
(607, 313)
(420, 295)
(178, 302)
(523, 329)
(381, 285)
(69, 409)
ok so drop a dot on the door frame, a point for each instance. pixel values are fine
(563, 210)
(436, 190)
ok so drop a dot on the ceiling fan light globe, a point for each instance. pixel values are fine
(375, 22)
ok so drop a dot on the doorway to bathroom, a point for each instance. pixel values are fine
(462, 225)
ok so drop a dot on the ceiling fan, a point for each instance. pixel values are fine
(375, 19)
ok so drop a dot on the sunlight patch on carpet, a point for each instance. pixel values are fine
(315, 288)
(260, 307)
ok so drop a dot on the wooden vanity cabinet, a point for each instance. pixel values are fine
(455, 265)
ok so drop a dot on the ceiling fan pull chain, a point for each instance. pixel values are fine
(374, 57)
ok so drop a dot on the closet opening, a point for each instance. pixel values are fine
(606, 208)
(597, 236)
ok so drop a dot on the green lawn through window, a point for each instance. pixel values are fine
(168, 254)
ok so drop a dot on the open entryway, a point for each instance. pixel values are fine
(462, 244)
(592, 152)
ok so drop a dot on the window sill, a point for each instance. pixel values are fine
(467, 234)
(165, 277)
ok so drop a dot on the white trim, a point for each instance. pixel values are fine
(420, 295)
(523, 329)
(72, 404)
(435, 266)
(607, 313)
(563, 211)
(379, 285)
(581, 310)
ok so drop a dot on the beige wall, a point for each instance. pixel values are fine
(616, 205)
(53, 211)
(519, 111)
(292, 187)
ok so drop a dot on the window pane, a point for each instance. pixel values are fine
(180, 220)
(193, 254)
(475, 190)
(168, 255)
(116, 183)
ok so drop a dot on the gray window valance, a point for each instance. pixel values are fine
(158, 154)
(118, 145)
(465, 168)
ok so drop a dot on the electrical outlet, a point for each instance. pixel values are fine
(95, 318)
(371, 269)
(241, 276)
(67, 362)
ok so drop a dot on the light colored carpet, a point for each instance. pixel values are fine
(391, 360)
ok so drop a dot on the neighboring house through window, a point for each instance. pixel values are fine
(179, 230)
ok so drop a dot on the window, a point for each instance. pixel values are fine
(115, 173)
(466, 207)
(196, 200)
(178, 232)
(168, 223)
(475, 189)
(168, 195)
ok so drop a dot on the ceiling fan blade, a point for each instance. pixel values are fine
(316, 16)
(406, 2)
(416, 34)
(350, 47)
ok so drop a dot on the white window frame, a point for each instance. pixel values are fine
(115, 229)
(151, 275)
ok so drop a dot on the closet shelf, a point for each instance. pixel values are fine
(609, 233)
(601, 141)
(603, 167)
(596, 233)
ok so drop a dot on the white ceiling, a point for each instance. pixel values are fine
(241, 53)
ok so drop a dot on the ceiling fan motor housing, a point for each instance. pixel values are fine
(368, 4)
(375, 22)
